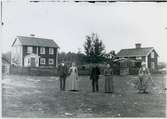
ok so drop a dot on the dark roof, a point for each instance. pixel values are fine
(125, 59)
(133, 52)
(33, 41)
(5, 60)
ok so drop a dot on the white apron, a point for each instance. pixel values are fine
(73, 80)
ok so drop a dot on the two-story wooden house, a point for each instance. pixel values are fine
(141, 54)
(34, 52)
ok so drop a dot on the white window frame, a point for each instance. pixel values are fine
(152, 65)
(51, 59)
(42, 50)
(42, 60)
(29, 49)
(138, 58)
(152, 54)
(51, 51)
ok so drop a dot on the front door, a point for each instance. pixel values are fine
(32, 62)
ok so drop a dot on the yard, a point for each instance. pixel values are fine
(35, 96)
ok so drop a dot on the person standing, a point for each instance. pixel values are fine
(108, 75)
(73, 80)
(62, 72)
(94, 76)
(144, 79)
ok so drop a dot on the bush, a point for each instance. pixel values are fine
(133, 71)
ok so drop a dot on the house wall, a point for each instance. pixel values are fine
(143, 58)
(36, 50)
(16, 53)
(155, 60)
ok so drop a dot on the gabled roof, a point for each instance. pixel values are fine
(133, 52)
(125, 59)
(5, 60)
(33, 41)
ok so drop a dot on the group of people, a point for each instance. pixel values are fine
(69, 79)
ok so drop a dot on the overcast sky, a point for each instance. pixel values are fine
(119, 25)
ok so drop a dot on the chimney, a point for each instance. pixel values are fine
(138, 45)
(32, 35)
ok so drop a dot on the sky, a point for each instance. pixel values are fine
(119, 25)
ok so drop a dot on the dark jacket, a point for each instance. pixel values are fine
(94, 75)
(62, 71)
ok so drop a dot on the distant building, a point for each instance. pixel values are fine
(140, 54)
(34, 52)
(5, 65)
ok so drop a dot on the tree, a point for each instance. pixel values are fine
(70, 57)
(161, 65)
(110, 56)
(94, 49)
(61, 57)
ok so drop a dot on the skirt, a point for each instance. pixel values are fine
(143, 83)
(108, 85)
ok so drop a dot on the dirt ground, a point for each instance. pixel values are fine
(35, 96)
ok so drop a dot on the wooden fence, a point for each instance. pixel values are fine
(45, 71)
(34, 71)
(39, 71)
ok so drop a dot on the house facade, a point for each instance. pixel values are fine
(34, 52)
(141, 54)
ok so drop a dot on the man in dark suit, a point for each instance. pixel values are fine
(62, 72)
(94, 76)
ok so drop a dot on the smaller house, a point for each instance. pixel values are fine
(5, 65)
(141, 54)
(34, 52)
(124, 66)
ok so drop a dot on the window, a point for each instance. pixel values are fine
(51, 61)
(42, 61)
(152, 65)
(29, 60)
(152, 55)
(42, 50)
(29, 49)
(51, 51)
(138, 58)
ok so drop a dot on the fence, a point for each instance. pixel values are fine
(43, 71)
(40, 71)
(35, 71)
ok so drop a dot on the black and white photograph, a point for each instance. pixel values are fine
(83, 59)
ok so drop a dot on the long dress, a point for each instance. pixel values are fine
(144, 80)
(108, 86)
(73, 80)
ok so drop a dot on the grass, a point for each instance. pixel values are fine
(34, 96)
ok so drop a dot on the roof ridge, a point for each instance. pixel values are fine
(136, 48)
(35, 37)
(30, 40)
(135, 51)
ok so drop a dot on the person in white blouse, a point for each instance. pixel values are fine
(73, 79)
(145, 79)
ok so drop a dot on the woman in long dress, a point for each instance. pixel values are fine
(73, 80)
(108, 74)
(144, 79)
